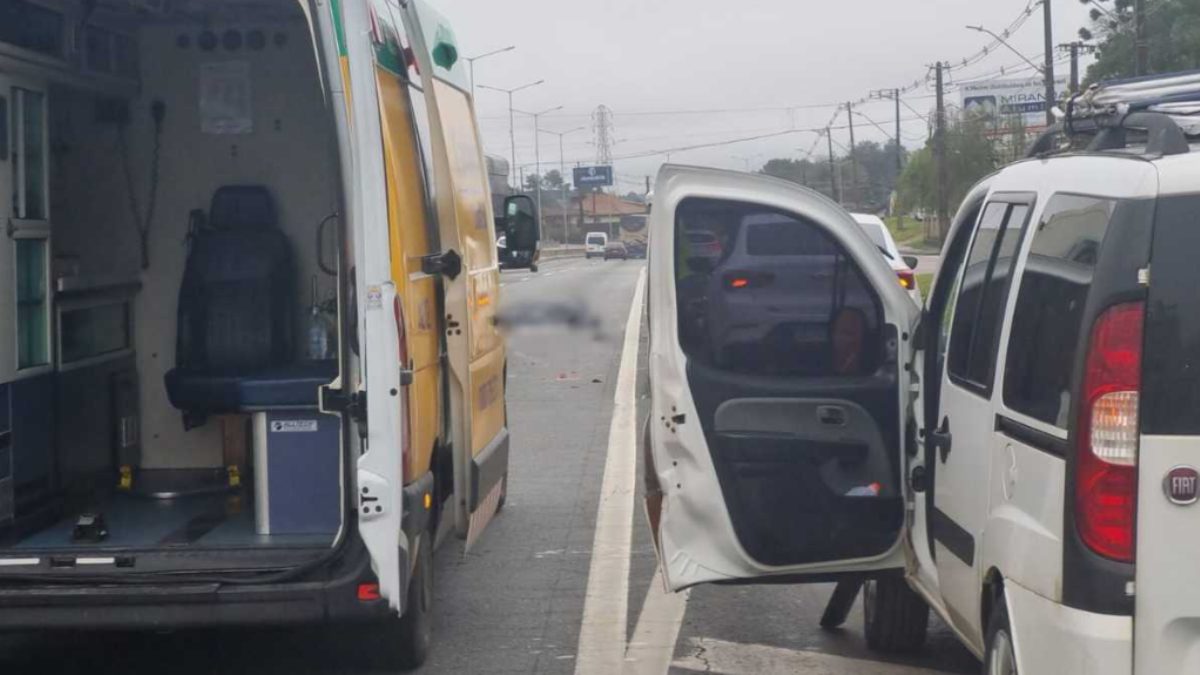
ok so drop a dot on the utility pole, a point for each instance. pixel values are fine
(1048, 69)
(833, 188)
(939, 156)
(1075, 49)
(893, 94)
(853, 156)
(512, 136)
(562, 172)
(537, 159)
(1141, 49)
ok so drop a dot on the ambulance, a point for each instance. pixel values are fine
(249, 367)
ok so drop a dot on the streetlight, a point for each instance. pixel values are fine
(1046, 70)
(562, 172)
(512, 138)
(537, 160)
(472, 59)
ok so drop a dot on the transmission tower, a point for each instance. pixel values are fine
(602, 127)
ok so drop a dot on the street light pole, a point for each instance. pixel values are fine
(472, 59)
(512, 137)
(1046, 71)
(537, 160)
(562, 174)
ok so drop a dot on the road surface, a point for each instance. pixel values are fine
(517, 602)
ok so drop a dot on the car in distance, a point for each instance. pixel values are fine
(903, 266)
(615, 249)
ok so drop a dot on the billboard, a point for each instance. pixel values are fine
(593, 176)
(998, 99)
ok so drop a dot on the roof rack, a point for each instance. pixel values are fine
(1165, 107)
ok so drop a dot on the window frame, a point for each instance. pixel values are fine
(1010, 199)
(1005, 410)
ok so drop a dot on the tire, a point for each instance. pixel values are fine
(999, 658)
(533, 268)
(402, 643)
(895, 618)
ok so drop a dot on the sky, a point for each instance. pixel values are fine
(681, 73)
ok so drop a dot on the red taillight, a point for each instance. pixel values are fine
(736, 280)
(1106, 462)
(402, 347)
(368, 592)
(908, 280)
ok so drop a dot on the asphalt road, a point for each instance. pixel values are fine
(516, 602)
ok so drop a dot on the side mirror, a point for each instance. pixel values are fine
(911, 261)
(520, 223)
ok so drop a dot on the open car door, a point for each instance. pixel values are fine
(779, 398)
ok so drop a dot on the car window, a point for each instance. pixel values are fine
(789, 302)
(876, 234)
(1047, 319)
(982, 292)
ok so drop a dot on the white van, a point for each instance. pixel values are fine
(594, 243)
(1021, 457)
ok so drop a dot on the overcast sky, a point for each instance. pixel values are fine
(677, 73)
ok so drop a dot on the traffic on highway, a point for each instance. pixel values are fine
(314, 364)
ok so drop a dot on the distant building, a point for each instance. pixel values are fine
(595, 211)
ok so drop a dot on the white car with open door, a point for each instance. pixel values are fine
(785, 462)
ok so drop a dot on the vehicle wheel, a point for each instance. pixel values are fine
(503, 493)
(403, 643)
(999, 656)
(533, 268)
(895, 618)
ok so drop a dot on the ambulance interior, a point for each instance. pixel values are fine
(172, 231)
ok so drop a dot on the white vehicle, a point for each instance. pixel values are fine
(1025, 461)
(904, 266)
(594, 244)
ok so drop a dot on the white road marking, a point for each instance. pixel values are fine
(652, 646)
(719, 656)
(602, 633)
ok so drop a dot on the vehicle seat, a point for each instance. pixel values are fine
(236, 302)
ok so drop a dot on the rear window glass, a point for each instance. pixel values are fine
(770, 293)
(595, 239)
(875, 234)
(1048, 316)
(780, 236)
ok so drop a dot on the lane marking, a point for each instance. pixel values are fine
(719, 656)
(652, 646)
(605, 608)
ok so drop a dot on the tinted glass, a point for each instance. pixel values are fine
(32, 27)
(33, 320)
(595, 240)
(1048, 316)
(983, 290)
(804, 309)
(94, 331)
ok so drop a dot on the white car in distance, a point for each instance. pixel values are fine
(904, 266)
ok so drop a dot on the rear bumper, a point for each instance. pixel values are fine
(329, 596)
(1053, 638)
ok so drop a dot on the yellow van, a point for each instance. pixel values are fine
(249, 366)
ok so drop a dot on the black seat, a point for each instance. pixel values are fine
(236, 304)
(292, 385)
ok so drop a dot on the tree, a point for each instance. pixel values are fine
(553, 180)
(876, 173)
(634, 197)
(531, 182)
(970, 155)
(1172, 37)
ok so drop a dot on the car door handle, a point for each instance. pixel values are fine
(942, 439)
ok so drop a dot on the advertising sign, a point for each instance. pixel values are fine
(593, 176)
(998, 99)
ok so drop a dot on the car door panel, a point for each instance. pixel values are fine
(784, 458)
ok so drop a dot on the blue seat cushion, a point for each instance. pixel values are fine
(292, 385)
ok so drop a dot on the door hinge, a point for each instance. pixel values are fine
(352, 405)
(448, 263)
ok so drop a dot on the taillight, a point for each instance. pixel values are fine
(402, 348)
(1106, 462)
(908, 280)
(739, 280)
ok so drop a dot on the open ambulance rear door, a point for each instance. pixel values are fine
(470, 274)
(778, 387)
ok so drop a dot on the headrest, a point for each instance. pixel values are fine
(241, 207)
